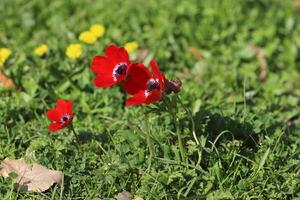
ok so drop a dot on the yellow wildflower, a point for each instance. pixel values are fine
(87, 37)
(74, 51)
(41, 50)
(4, 54)
(97, 30)
(131, 46)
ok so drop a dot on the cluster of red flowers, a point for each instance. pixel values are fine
(145, 87)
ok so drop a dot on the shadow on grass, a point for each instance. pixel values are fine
(87, 136)
(213, 124)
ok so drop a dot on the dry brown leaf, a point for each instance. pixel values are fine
(31, 177)
(260, 55)
(6, 82)
(138, 198)
(196, 53)
(125, 195)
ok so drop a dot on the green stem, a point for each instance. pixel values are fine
(148, 138)
(176, 122)
(182, 152)
(189, 112)
(75, 134)
(123, 93)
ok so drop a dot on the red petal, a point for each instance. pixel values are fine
(55, 127)
(112, 53)
(137, 78)
(116, 54)
(137, 99)
(69, 107)
(157, 73)
(155, 69)
(64, 107)
(162, 80)
(104, 81)
(124, 53)
(53, 115)
(61, 107)
(111, 50)
(154, 95)
(61, 103)
(102, 65)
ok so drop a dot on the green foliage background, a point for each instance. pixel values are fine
(247, 128)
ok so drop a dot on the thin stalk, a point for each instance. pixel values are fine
(182, 152)
(189, 113)
(176, 122)
(123, 93)
(191, 118)
(75, 134)
(148, 138)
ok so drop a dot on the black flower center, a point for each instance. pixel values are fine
(120, 69)
(65, 118)
(152, 84)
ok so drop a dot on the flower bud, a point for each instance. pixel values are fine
(173, 85)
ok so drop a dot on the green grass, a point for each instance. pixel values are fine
(248, 139)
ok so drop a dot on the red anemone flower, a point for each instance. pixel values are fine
(145, 87)
(61, 116)
(111, 68)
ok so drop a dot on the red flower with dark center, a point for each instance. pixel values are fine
(61, 116)
(111, 68)
(145, 87)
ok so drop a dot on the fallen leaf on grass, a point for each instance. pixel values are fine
(139, 198)
(6, 82)
(125, 195)
(31, 177)
(260, 55)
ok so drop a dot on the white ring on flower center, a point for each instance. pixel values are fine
(65, 118)
(151, 85)
(119, 69)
